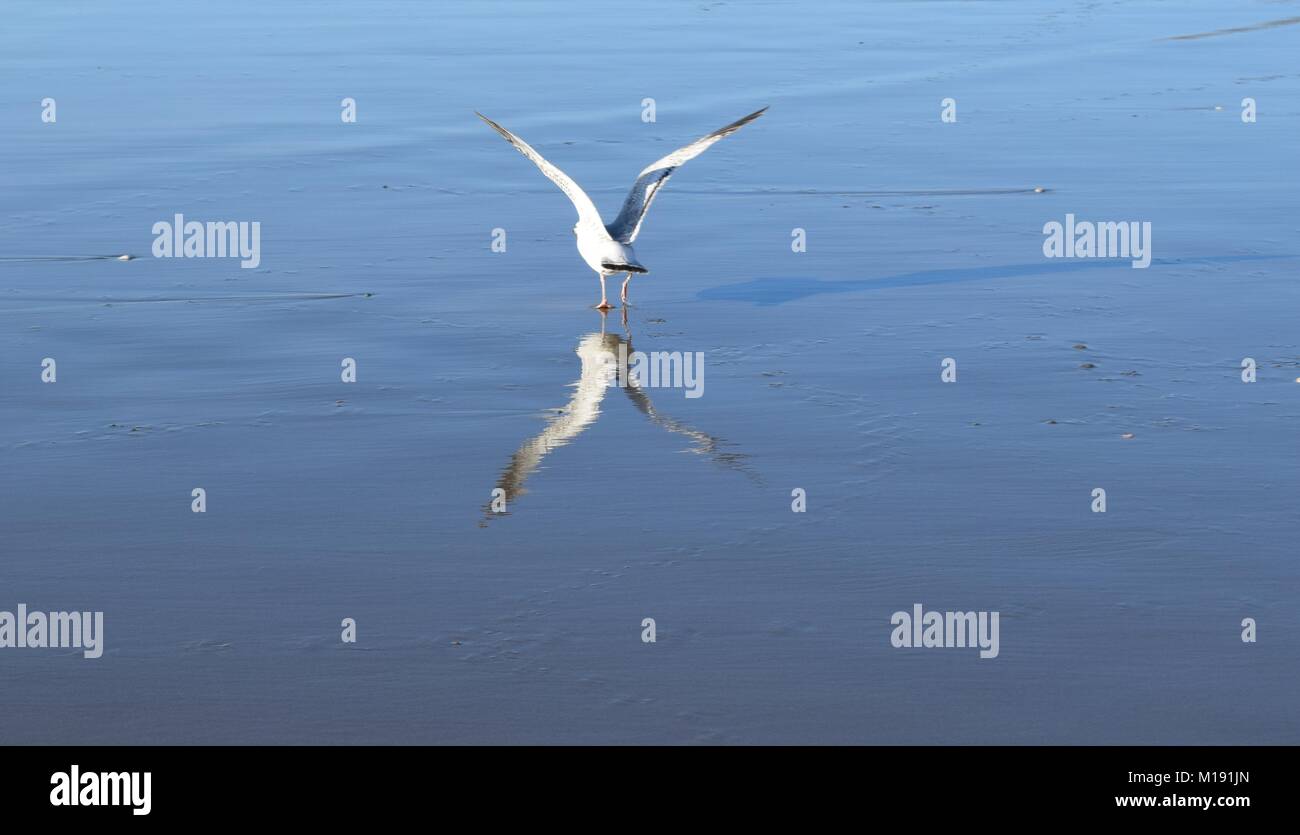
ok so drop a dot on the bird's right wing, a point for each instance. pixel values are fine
(704, 442)
(587, 213)
(625, 227)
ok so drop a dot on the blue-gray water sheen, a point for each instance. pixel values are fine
(370, 500)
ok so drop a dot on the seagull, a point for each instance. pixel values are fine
(607, 248)
(599, 356)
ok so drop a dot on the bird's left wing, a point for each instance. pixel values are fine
(625, 227)
(587, 213)
(582, 409)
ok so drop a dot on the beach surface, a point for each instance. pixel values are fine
(328, 500)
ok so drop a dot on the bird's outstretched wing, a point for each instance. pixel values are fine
(587, 214)
(625, 227)
(595, 350)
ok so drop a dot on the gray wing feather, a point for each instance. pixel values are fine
(587, 213)
(625, 227)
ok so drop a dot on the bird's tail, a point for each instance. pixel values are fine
(624, 268)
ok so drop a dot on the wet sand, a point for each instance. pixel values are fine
(329, 500)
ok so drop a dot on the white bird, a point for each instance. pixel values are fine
(607, 249)
(599, 354)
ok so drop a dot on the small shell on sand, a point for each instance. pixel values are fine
(124, 257)
(1128, 436)
(1039, 189)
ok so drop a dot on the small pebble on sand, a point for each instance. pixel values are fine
(1080, 347)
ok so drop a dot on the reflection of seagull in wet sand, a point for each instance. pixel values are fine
(607, 249)
(598, 373)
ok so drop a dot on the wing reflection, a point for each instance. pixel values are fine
(598, 354)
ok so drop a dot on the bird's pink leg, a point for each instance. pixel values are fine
(625, 282)
(604, 305)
